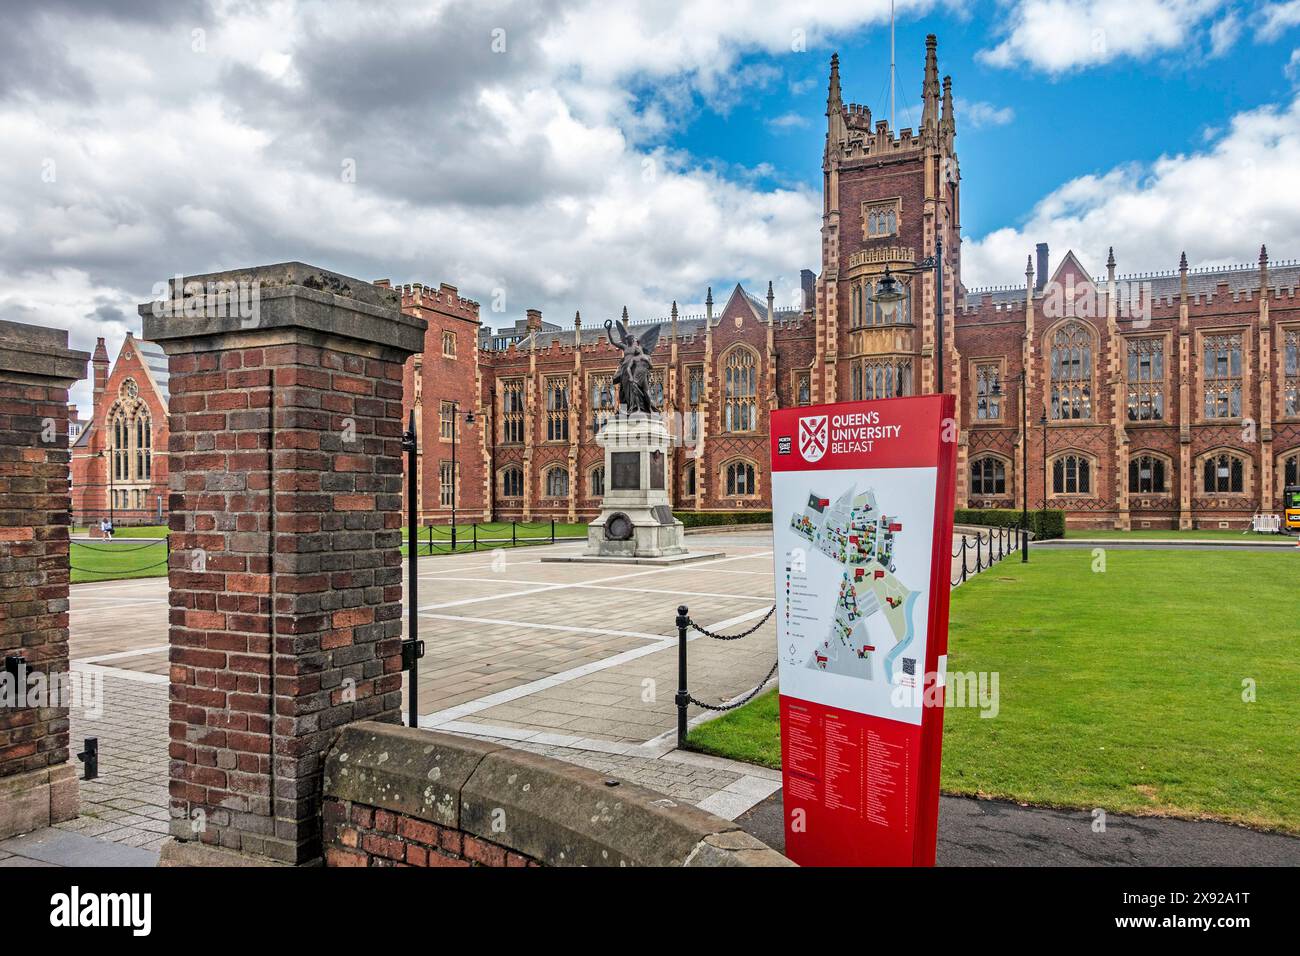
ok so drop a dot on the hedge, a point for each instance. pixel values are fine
(706, 519)
(1043, 524)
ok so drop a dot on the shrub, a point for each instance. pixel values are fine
(1043, 524)
(708, 519)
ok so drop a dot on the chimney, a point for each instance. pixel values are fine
(534, 320)
(808, 282)
(1042, 267)
(99, 364)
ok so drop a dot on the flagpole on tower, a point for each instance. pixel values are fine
(893, 124)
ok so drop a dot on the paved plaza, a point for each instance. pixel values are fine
(577, 661)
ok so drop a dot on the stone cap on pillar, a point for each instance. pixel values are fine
(40, 354)
(283, 296)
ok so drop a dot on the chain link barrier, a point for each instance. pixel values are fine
(739, 700)
(735, 637)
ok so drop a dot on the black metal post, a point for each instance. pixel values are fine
(963, 558)
(552, 531)
(1043, 421)
(455, 427)
(410, 656)
(514, 538)
(474, 530)
(683, 696)
(90, 757)
(1024, 471)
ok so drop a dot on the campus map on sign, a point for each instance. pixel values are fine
(855, 533)
(855, 549)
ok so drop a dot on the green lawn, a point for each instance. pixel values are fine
(1203, 534)
(492, 536)
(105, 561)
(139, 531)
(1120, 690)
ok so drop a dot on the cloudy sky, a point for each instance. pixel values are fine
(583, 154)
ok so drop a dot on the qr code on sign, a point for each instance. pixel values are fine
(909, 665)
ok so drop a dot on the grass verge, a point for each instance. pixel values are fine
(1123, 690)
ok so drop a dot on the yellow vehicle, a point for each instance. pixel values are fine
(1291, 508)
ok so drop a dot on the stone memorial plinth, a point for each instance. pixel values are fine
(636, 523)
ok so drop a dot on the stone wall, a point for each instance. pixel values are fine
(398, 796)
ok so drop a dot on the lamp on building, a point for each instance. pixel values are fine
(889, 293)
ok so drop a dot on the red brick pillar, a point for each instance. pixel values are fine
(286, 608)
(37, 784)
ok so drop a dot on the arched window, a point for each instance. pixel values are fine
(1071, 372)
(557, 482)
(1223, 473)
(1291, 470)
(740, 479)
(1072, 475)
(1147, 475)
(597, 481)
(688, 480)
(143, 447)
(988, 476)
(512, 482)
(740, 384)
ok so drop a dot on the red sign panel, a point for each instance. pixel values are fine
(858, 487)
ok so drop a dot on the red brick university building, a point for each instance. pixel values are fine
(1159, 400)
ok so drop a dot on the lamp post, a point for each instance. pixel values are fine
(888, 295)
(108, 457)
(1043, 421)
(455, 420)
(1024, 468)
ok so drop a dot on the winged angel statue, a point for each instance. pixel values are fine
(633, 376)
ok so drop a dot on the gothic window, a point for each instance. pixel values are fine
(656, 387)
(557, 482)
(740, 479)
(1071, 373)
(740, 389)
(1223, 473)
(1072, 475)
(557, 409)
(512, 482)
(449, 345)
(446, 484)
(695, 384)
(512, 412)
(597, 481)
(988, 392)
(1291, 471)
(988, 476)
(803, 388)
(880, 378)
(143, 447)
(880, 220)
(1147, 475)
(1291, 373)
(688, 478)
(1222, 354)
(446, 421)
(602, 398)
(1146, 380)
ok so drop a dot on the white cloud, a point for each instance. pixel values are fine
(1219, 205)
(1058, 36)
(1225, 33)
(979, 114)
(1276, 18)
(536, 169)
(788, 122)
